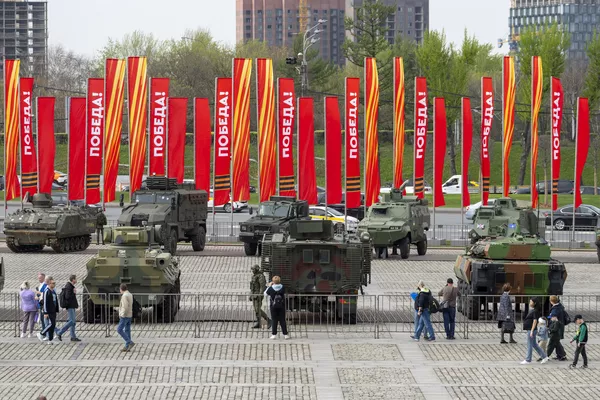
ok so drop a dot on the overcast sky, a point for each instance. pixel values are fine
(85, 25)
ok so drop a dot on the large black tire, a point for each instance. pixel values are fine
(171, 245)
(404, 248)
(422, 247)
(250, 248)
(88, 308)
(199, 240)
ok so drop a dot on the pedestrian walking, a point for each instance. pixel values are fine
(100, 222)
(417, 316)
(40, 298)
(542, 335)
(50, 309)
(125, 315)
(257, 288)
(530, 325)
(505, 315)
(581, 338)
(29, 306)
(424, 300)
(69, 301)
(559, 312)
(556, 326)
(276, 293)
(449, 293)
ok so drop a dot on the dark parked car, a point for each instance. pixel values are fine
(586, 190)
(252, 189)
(586, 216)
(358, 213)
(521, 190)
(564, 186)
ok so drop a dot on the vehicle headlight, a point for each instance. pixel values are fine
(243, 228)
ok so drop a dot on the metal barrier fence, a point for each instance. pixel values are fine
(215, 315)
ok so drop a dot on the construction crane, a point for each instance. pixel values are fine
(304, 17)
(513, 42)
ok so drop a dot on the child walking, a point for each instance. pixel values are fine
(580, 338)
(542, 335)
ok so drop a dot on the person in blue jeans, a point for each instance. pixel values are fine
(417, 316)
(530, 325)
(125, 315)
(424, 299)
(449, 293)
(69, 297)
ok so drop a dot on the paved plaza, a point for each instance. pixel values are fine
(188, 360)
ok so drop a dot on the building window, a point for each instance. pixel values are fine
(248, 36)
(289, 11)
(247, 20)
(268, 26)
(248, 27)
(259, 12)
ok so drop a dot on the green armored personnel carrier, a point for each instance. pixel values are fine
(504, 218)
(397, 221)
(179, 210)
(136, 259)
(310, 260)
(273, 216)
(522, 261)
(65, 229)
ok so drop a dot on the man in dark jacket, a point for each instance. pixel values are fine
(424, 299)
(50, 309)
(558, 311)
(69, 301)
(100, 222)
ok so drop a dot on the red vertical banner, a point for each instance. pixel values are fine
(487, 118)
(420, 142)
(372, 182)
(307, 180)
(11, 128)
(202, 138)
(537, 87)
(176, 128)
(466, 145)
(333, 151)
(509, 88)
(46, 142)
(267, 141)
(440, 132)
(159, 93)
(583, 144)
(556, 105)
(114, 94)
(399, 119)
(352, 159)
(77, 139)
(29, 174)
(242, 69)
(94, 139)
(137, 95)
(286, 123)
(222, 149)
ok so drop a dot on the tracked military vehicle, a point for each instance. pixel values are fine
(65, 229)
(179, 210)
(135, 258)
(273, 216)
(520, 258)
(397, 221)
(504, 218)
(311, 260)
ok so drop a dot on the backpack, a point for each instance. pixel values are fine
(62, 299)
(278, 302)
(434, 306)
(566, 318)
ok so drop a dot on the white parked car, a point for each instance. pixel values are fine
(453, 185)
(472, 209)
(337, 218)
(238, 206)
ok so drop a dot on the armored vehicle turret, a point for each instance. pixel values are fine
(273, 216)
(179, 210)
(65, 229)
(135, 258)
(397, 221)
(311, 260)
(504, 218)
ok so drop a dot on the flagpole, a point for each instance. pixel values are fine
(214, 139)
(278, 130)
(462, 170)
(148, 119)
(503, 125)
(167, 139)
(68, 130)
(258, 136)
(575, 175)
(298, 145)
(103, 170)
(434, 159)
(85, 147)
(345, 158)
(325, 147)
(5, 175)
(552, 167)
(232, 147)
(19, 141)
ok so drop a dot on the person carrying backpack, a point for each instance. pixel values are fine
(424, 303)
(557, 310)
(276, 292)
(68, 300)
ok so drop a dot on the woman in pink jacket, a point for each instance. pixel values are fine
(29, 307)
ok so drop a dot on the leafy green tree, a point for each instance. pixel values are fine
(592, 79)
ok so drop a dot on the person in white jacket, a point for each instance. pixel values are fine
(125, 315)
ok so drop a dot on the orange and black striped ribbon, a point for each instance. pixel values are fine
(353, 184)
(93, 182)
(286, 183)
(486, 184)
(222, 182)
(29, 179)
(555, 186)
(419, 185)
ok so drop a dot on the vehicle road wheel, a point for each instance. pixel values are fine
(172, 244)
(227, 208)
(339, 229)
(199, 240)
(559, 224)
(422, 247)
(250, 248)
(88, 308)
(404, 248)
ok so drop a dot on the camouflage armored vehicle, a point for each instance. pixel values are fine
(310, 260)
(179, 210)
(397, 221)
(65, 229)
(273, 216)
(135, 258)
(504, 218)
(522, 261)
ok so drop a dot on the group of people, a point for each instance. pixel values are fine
(274, 294)
(42, 304)
(425, 304)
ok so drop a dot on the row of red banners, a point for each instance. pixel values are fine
(95, 134)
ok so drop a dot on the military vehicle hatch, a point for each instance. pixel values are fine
(178, 209)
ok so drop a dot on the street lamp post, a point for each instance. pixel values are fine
(306, 43)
